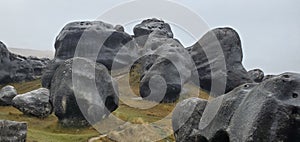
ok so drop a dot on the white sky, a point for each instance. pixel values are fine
(270, 29)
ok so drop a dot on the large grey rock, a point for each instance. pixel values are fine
(267, 112)
(149, 53)
(214, 63)
(256, 75)
(35, 103)
(163, 81)
(142, 30)
(49, 72)
(219, 111)
(17, 68)
(185, 119)
(140, 67)
(12, 131)
(72, 85)
(95, 40)
(7, 93)
(270, 112)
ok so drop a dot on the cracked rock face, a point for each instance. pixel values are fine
(268, 111)
(12, 131)
(7, 93)
(218, 57)
(35, 103)
(95, 104)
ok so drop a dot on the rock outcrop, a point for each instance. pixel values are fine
(12, 131)
(257, 75)
(186, 118)
(219, 111)
(163, 81)
(7, 93)
(17, 68)
(35, 103)
(268, 111)
(144, 29)
(95, 104)
(96, 40)
(209, 54)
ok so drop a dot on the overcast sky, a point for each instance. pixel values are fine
(270, 29)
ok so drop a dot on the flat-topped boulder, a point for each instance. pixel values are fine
(94, 40)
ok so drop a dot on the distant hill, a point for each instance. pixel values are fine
(33, 52)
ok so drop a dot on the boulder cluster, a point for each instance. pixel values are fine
(80, 90)
(34, 103)
(17, 68)
(164, 65)
(266, 111)
(85, 54)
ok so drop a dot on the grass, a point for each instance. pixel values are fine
(49, 130)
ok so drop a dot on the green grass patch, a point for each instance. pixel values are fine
(49, 130)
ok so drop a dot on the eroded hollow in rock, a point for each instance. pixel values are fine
(220, 136)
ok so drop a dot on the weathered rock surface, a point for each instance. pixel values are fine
(163, 81)
(186, 118)
(257, 75)
(17, 68)
(12, 131)
(49, 72)
(268, 77)
(142, 30)
(95, 105)
(139, 68)
(7, 93)
(219, 111)
(144, 63)
(209, 54)
(35, 103)
(268, 111)
(96, 40)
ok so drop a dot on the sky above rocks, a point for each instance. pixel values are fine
(270, 29)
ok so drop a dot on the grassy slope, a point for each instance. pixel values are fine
(44, 130)
(48, 130)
